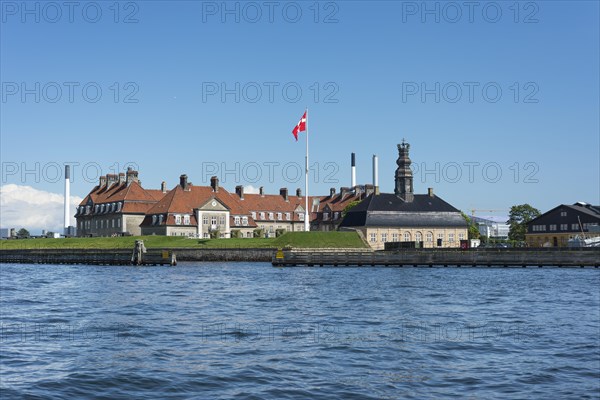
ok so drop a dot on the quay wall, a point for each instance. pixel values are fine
(404, 257)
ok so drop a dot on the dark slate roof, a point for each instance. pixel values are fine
(583, 208)
(390, 210)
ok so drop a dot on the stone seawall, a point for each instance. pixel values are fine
(123, 256)
(408, 257)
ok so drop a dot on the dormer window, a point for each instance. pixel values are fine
(245, 221)
(279, 216)
(301, 216)
(325, 216)
(236, 220)
(186, 219)
(154, 217)
(253, 215)
(160, 219)
(288, 216)
(177, 219)
(262, 215)
(270, 215)
(119, 205)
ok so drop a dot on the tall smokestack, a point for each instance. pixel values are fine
(353, 166)
(67, 197)
(376, 173)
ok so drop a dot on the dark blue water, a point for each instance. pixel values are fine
(251, 331)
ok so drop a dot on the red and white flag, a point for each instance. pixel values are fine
(300, 127)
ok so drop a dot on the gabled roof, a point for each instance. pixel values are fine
(121, 192)
(183, 201)
(583, 208)
(390, 210)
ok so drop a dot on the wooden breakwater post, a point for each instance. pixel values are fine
(512, 257)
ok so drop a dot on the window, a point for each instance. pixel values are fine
(563, 213)
(564, 227)
(118, 223)
(429, 236)
(236, 220)
(262, 215)
(206, 235)
(101, 224)
(325, 216)
(177, 219)
(271, 215)
(253, 215)
(574, 227)
(407, 236)
(384, 237)
(394, 237)
(451, 237)
(288, 216)
(112, 223)
(373, 237)
(279, 216)
(553, 227)
(222, 220)
(245, 221)
(418, 237)
(336, 215)
(440, 236)
(461, 236)
(119, 205)
(160, 219)
(301, 217)
(213, 220)
(249, 234)
(186, 219)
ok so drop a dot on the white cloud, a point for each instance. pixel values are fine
(251, 189)
(33, 209)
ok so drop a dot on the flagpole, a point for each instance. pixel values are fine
(306, 214)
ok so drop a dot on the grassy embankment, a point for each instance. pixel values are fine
(290, 239)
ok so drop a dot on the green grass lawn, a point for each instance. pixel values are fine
(290, 239)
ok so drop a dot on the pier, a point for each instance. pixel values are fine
(87, 256)
(517, 257)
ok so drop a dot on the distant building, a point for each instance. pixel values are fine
(492, 228)
(423, 219)
(6, 233)
(555, 227)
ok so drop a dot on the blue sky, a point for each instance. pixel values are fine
(370, 61)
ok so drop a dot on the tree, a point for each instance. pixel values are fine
(349, 206)
(473, 229)
(518, 218)
(23, 233)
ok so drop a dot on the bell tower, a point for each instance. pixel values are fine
(404, 177)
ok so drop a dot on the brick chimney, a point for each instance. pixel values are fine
(102, 180)
(121, 178)
(131, 176)
(183, 182)
(299, 192)
(239, 190)
(111, 178)
(214, 183)
(430, 192)
(261, 191)
(284, 193)
(163, 187)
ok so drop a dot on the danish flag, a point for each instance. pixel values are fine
(300, 127)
